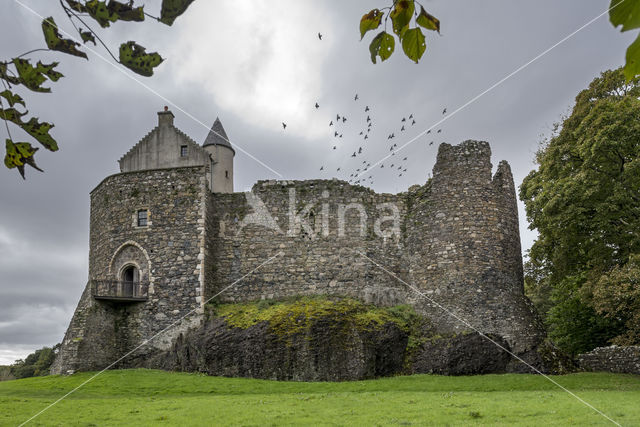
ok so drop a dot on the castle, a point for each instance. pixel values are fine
(168, 233)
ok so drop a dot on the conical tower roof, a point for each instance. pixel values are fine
(217, 136)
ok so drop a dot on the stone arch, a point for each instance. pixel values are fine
(131, 254)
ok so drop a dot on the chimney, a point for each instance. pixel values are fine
(165, 118)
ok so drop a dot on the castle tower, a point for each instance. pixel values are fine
(219, 148)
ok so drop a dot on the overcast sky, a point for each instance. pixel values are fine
(256, 64)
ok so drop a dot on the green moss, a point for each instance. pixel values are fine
(291, 316)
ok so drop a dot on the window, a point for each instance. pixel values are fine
(142, 218)
(226, 174)
(184, 151)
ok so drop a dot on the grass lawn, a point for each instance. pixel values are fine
(147, 397)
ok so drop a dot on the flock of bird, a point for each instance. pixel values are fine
(362, 172)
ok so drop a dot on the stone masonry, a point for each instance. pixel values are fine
(455, 240)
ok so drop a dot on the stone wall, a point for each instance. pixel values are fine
(169, 253)
(625, 360)
(456, 240)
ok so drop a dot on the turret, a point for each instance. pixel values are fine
(221, 152)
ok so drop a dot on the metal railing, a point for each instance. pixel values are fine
(120, 290)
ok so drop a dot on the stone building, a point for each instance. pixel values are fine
(168, 233)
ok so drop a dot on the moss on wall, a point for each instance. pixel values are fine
(294, 315)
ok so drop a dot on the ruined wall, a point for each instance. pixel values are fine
(169, 252)
(457, 240)
(318, 256)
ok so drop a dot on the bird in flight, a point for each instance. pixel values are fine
(284, 125)
(334, 147)
(413, 122)
(439, 130)
(317, 105)
(361, 132)
(368, 119)
(403, 119)
(360, 150)
(429, 131)
(344, 119)
(401, 129)
(444, 111)
(331, 123)
(340, 135)
(356, 97)
(411, 116)
(366, 108)
(338, 170)
(335, 134)
(338, 117)
(431, 143)
(354, 154)
(320, 36)
(321, 168)
(366, 136)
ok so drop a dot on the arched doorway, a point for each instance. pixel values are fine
(130, 277)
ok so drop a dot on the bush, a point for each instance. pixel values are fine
(34, 365)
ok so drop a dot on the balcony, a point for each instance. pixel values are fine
(114, 290)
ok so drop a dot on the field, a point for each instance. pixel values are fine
(147, 397)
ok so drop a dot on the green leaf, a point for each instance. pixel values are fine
(77, 6)
(99, 11)
(625, 13)
(7, 77)
(33, 76)
(427, 21)
(134, 57)
(370, 21)
(12, 115)
(55, 42)
(401, 16)
(40, 131)
(105, 13)
(87, 36)
(382, 45)
(126, 12)
(413, 44)
(12, 98)
(632, 66)
(18, 154)
(171, 9)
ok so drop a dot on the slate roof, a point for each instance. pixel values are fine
(217, 136)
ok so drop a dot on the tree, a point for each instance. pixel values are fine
(584, 200)
(35, 364)
(20, 72)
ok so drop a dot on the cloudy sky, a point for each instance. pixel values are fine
(256, 64)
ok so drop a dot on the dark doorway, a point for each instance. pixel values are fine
(129, 279)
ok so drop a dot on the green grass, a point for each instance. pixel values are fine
(147, 397)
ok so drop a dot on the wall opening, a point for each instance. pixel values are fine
(129, 278)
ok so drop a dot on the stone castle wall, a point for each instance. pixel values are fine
(457, 241)
(454, 238)
(169, 253)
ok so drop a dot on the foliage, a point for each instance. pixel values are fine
(626, 13)
(5, 373)
(401, 13)
(20, 72)
(616, 295)
(36, 364)
(147, 398)
(584, 201)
